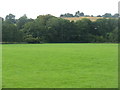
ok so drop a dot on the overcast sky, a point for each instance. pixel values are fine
(33, 8)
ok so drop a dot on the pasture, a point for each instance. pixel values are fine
(60, 65)
(79, 18)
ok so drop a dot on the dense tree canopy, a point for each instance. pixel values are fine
(48, 28)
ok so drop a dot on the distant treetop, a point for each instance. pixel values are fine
(81, 14)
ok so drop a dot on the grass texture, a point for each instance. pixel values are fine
(60, 65)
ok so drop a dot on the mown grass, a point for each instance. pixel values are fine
(60, 66)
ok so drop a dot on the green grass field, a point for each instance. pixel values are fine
(60, 66)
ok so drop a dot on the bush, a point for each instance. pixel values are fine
(31, 39)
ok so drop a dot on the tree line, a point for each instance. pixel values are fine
(51, 29)
(81, 14)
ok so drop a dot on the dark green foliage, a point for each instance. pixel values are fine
(107, 15)
(67, 15)
(99, 16)
(21, 21)
(79, 14)
(10, 18)
(47, 28)
(83, 30)
(31, 39)
(10, 32)
(119, 29)
(116, 15)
